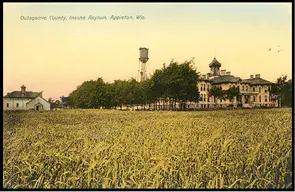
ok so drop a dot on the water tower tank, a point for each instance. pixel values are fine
(143, 54)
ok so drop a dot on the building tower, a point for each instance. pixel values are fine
(143, 58)
(215, 66)
(23, 90)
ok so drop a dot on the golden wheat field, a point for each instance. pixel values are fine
(128, 149)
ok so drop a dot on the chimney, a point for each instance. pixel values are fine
(257, 76)
(23, 90)
(222, 72)
(208, 75)
(228, 73)
(251, 76)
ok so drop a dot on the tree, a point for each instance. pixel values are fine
(176, 83)
(50, 100)
(159, 87)
(282, 90)
(148, 95)
(88, 95)
(231, 93)
(287, 94)
(217, 93)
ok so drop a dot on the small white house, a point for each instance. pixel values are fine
(25, 100)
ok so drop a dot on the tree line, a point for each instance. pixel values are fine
(167, 87)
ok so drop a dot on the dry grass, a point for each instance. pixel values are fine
(116, 149)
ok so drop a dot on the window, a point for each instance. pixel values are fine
(201, 87)
(259, 89)
(253, 88)
(17, 104)
(242, 88)
(259, 98)
(265, 98)
(246, 88)
(254, 98)
(205, 87)
(7, 105)
(265, 90)
(208, 99)
(220, 100)
(246, 99)
(204, 99)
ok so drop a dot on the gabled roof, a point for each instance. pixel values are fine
(36, 98)
(18, 94)
(214, 62)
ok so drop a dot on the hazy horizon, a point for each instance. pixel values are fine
(56, 56)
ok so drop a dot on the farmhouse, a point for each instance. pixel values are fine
(254, 91)
(25, 100)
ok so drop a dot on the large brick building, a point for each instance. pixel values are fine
(254, 91)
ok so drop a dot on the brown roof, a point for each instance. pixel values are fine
(257, 81)
(214, 62)
(233, 79)
(18, 94)
(225, 79)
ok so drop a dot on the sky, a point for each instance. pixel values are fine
(56, 56)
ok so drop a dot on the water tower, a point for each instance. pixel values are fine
(143, 58)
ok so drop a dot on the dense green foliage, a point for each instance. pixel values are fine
(283, 90)
(176, 83)
(231, 93)
(84, 148)
(217, 93)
